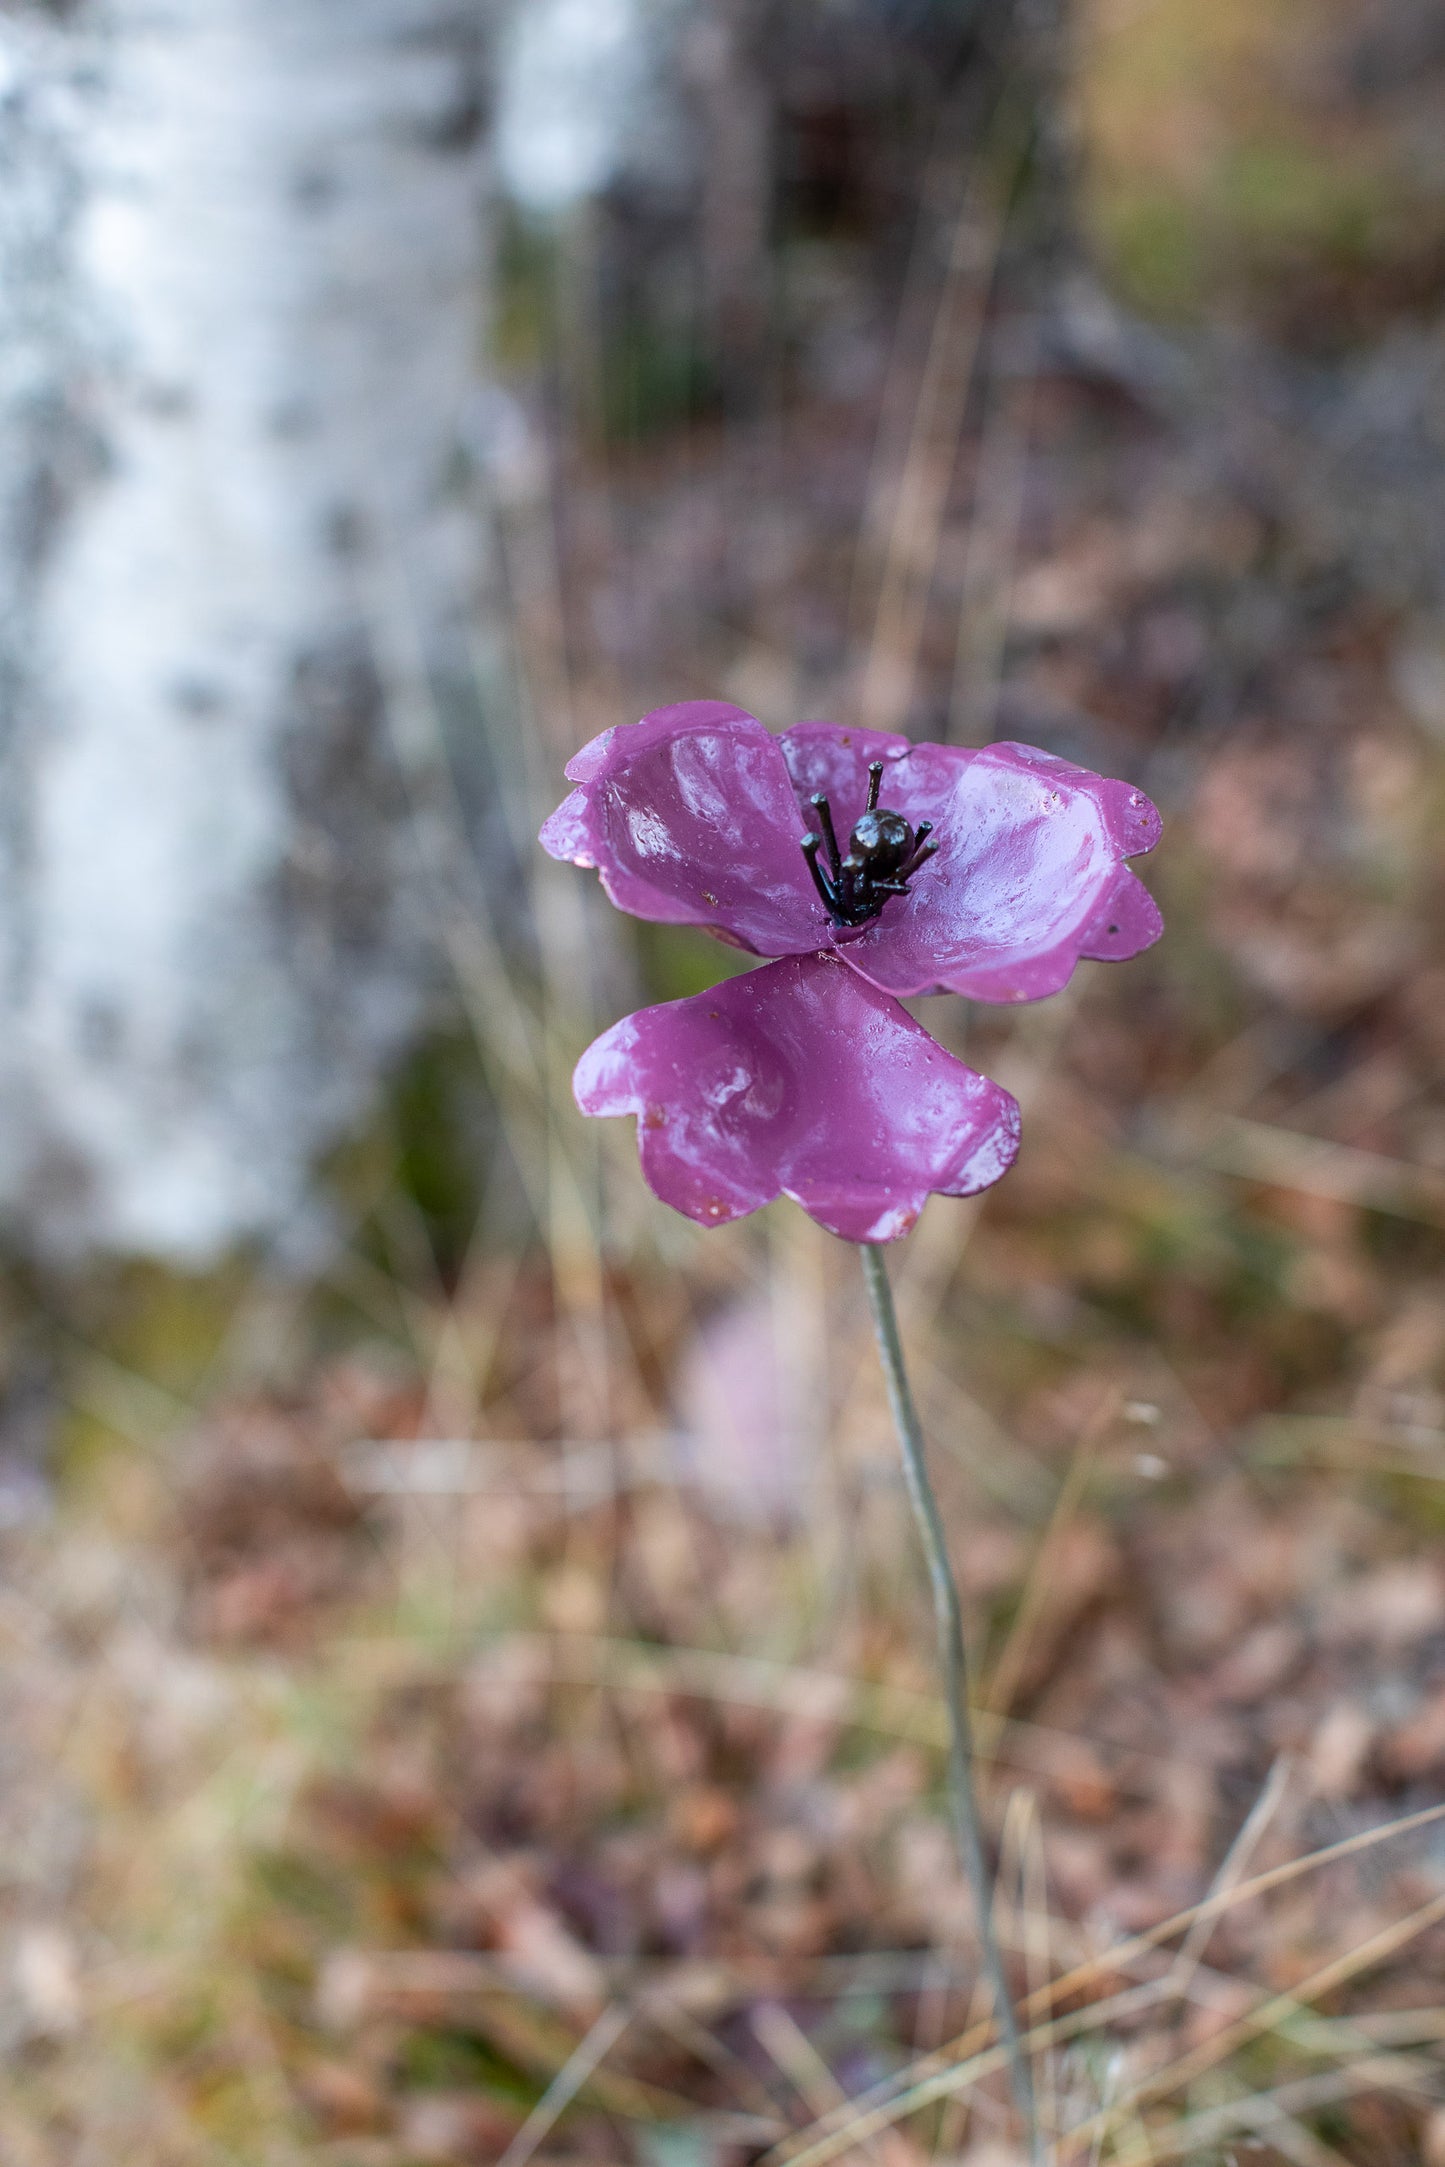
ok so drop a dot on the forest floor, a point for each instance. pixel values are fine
(482, 1708)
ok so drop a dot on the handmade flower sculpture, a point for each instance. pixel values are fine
(987, 873)
(984, 873)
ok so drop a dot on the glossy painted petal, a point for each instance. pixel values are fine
(1028, 877)
(690, 818)
(821, 756)
(801, 1080)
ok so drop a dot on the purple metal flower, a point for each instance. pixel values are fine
(985, 873)
(988, 873)
(799, 1080)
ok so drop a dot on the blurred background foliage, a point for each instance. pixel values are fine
(1277, 166)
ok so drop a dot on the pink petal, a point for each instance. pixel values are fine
(1028, 876)
(820, 756)
(800, 1080)
(690, 819)
(1126, 921)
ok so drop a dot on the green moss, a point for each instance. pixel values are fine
(654, 377)
(135, 1348)
(524, 319)
(1280, 195)
(1155, 247)
(440, 1121)
(1209, 183)
(458, 2060)
(1267, 205)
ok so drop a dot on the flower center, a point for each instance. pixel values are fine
(884, 853)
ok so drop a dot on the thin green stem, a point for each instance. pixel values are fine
(948, 1616)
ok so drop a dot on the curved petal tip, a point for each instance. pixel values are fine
(690, 818)
(802, 1080)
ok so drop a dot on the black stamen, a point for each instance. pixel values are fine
(921, 853)
(812, 844)
(824, 811)
(850, 875)
(884, 853)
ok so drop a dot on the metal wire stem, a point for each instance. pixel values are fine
(948, 1616)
